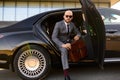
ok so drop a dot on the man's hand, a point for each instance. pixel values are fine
(85, 31)
(76, 37)
(67, 46)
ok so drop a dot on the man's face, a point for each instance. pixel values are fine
(68, 16)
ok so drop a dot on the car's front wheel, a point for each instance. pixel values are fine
(32, 62)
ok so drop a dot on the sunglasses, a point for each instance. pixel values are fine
(70, 16)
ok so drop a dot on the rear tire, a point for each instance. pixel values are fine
(32, 62)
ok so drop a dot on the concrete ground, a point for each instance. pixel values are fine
(77, 72)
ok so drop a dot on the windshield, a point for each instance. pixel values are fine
(112, 19)
(110, 16)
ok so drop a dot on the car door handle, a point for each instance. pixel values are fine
(111, 31)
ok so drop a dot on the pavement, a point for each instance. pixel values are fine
(77, 72)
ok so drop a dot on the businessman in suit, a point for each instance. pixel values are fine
(61, 36)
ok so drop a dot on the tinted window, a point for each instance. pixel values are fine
(113, 18)
(110, 16)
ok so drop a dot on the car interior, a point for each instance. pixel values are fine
(50, 20)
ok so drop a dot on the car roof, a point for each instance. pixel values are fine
(28, 23)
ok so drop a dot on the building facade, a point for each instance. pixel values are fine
(17, 10)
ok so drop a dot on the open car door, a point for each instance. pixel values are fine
(95, 30)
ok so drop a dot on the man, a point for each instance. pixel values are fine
(61, 36)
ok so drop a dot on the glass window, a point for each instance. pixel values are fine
(69, 5)
(45, 6)
(9, 11)
(57, 5)
(97, 5)
(104, 5)
(21, 11)
(1, 9)
(78, 5)
(113, 18)
(16, 11)
(33, 8)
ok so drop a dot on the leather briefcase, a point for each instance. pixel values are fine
(78, 51)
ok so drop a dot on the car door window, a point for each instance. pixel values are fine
(112, 19)
(115, 18)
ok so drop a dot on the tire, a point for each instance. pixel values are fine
(32, 62)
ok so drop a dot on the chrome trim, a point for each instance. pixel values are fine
(112, 60)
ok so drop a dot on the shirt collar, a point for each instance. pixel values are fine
(66, 23)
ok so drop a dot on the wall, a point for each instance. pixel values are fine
(17, 10)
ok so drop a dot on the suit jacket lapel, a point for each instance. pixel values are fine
(64, 26)
(70, 27)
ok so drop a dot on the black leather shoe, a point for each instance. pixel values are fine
(67, 78)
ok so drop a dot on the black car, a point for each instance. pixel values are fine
(111, 18)
(27, 46)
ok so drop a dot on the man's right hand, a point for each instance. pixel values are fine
(67, 46)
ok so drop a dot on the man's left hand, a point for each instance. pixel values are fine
(76, 37)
